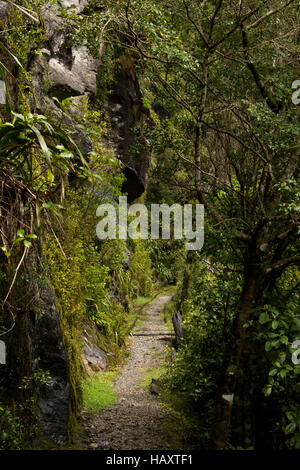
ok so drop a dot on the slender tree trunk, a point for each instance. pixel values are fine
(185, 281)
(177, 325)
(244, 434)
(232, 360)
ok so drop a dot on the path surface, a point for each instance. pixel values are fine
(134, 422)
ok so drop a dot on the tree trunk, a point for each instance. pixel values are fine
(232, 361)
(177, 325)
(185, 281)
(243, 434)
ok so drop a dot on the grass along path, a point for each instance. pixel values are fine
(135, 420)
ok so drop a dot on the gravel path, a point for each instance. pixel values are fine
(134, 422)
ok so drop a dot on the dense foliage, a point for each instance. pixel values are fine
(223, 132)
(218, 77)
(49, 196)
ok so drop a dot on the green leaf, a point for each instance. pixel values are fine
(297, 321)
(290, 428)
(20, 233)
(43, 145)
(283, 373)
(66, 154)
(268, 346)
(282, 357)
(47, 205)
(268, 391)
(12, 55)
(50, 175)
(263, 318)
(4, 249)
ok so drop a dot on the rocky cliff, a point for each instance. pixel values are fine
(60, 70)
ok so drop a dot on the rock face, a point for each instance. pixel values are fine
(94, 358)
(34, 345)
(63, 71)
(72, 73)
(50, 355)
(3, 11)
(127, 112)
(79, 4)
(68, 72)
(75, 79)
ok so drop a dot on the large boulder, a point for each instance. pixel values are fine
(71, 71)
(94, 358)
(3, 12)
(74, 80)
(78, 5)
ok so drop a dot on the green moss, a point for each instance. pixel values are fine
(24, 39)
(82, 274)
(181, 427)
(168, 311)
(152, 373)
(98, 392)
(66, 280)
(141, 301)
(140, 269)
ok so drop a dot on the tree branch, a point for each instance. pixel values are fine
(292, 261)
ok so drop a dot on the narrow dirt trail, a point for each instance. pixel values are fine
(134, 422)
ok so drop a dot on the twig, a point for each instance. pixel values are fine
(15, 275)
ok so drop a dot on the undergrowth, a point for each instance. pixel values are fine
(98, 392)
